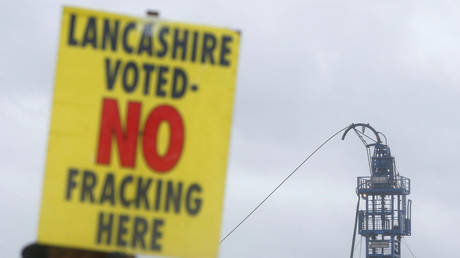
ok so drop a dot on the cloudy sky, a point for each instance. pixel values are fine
(307, 69)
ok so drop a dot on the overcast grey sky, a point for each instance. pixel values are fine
(306, 69)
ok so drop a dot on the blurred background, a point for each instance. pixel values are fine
(306, 70)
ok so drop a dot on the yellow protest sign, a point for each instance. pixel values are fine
(139, 135)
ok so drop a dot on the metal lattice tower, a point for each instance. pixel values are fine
(386, 217)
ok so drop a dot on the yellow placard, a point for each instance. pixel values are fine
(139, 136)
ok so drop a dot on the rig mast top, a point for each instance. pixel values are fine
(386, 217)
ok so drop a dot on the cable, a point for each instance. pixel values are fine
(354, 229)
(358, 133)
(357, 245)
(367, 136)
(408, 248)
(282, 182)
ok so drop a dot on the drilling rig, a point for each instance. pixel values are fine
(386, 217)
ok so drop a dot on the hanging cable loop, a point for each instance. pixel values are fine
(282, 182)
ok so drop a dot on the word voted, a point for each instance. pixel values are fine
(127, 139)
(133, 76)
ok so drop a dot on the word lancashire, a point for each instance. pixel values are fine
(155, 40)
